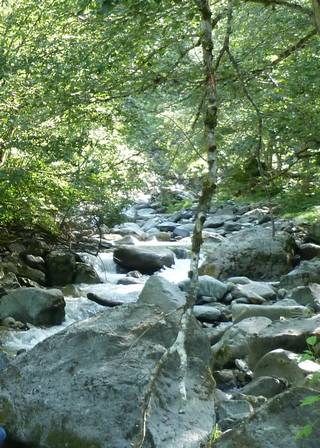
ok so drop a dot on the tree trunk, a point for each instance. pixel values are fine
(316, 10)
(210, 123)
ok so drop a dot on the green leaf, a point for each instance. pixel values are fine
(304, 432)
(311, 399)
(312, 340)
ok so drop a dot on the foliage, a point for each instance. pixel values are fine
(215, 435)
(312, 354)
(95, 94)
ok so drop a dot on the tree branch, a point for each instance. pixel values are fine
(284, 3)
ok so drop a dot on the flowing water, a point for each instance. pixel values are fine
(78, 307)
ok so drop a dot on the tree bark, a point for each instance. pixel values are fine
(210, 124)
(316, 11)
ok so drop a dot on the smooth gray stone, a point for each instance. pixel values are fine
(242, 311)
(206, 313)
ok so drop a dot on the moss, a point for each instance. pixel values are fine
(69, 440)
(6, 412)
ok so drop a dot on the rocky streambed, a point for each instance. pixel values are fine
(80, 348)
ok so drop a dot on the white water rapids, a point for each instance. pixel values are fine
(78, 307)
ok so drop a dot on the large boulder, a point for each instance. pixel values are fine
(276, 424)
(147, 261)
(158, 291)
(254, 253)
(288, 334)
(34, 305)
(60, 268)
(87, 385)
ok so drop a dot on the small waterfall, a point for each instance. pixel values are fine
(104, 265)
(178, 272)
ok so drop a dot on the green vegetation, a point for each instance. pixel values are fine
(102, 98)
(215, 435)
(311, 354)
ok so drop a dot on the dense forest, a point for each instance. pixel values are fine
(100, 99)
(159, 223)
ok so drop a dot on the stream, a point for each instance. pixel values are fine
(79, 308)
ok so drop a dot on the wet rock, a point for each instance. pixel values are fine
(13, 324)
(158, 291)
(129, 281)
(104, 301)
(235, 341)
(34, 261)
(60, 268)
(94, 375)
(181, 253)
(266, 386)
(34, 305)
(253, 253)
(134, 274)
(147, 261)
(277, 423)
(85, 273)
